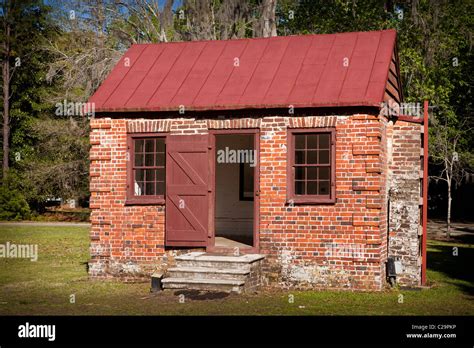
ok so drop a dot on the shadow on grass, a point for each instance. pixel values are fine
(201, 295)
(441, 259)
(464, 239)
(85, 264)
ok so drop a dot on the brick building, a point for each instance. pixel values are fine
(277, 154)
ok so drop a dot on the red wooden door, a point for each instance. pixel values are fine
(187, 190)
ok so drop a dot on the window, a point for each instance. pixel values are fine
(146, 169)
(311, 165)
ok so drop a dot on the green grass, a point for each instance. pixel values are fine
(44, 287)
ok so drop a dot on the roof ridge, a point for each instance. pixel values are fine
(261, 38)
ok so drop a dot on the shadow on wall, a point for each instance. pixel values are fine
(457, 268)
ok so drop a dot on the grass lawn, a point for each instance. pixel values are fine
(44, 287)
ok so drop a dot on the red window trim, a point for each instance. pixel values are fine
(131, 199)
(290, 175)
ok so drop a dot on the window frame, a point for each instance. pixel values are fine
(290, 173)
(131, 199)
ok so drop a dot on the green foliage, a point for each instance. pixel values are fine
(48, 157)
(13, 205)
(61, 153)
(323, 16)
(32, 25)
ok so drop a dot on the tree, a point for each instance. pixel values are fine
(223, 20)
(267, 21)
(332, 16)
(6, 52)
(449, 150)
(60, 153)
(84, 53)
(142, 21)
(24, 24)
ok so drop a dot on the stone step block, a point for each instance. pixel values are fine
(208, 273)
(222, 285)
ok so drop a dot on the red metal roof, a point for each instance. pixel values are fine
(303, 71)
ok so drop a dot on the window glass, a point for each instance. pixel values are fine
(149, 167)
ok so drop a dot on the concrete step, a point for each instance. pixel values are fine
(224, 285)
(208, 273)
(215, 272)
(201, 259)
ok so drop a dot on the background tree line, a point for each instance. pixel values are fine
(54, 51)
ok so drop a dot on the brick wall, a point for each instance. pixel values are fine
(324, 246)
(341, 245)
(126, 241)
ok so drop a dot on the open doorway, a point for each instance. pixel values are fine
(235, 169)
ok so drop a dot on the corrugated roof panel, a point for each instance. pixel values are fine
(155, 77)
(176, 76)
(367, 42)
(288, 70)
(241, 75)
(308, 71)
(360, 67)
(306, 83)
(327, 92)
(221, 72)
(136, 73)
(335, 70)
(318, 53)
(113, 80)
(199, 73)
(386, 45)
(264, 73)
(375, 92)
(379, 72)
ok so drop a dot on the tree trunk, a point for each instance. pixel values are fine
(268, 25)
(448, 219)
(6, 103)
